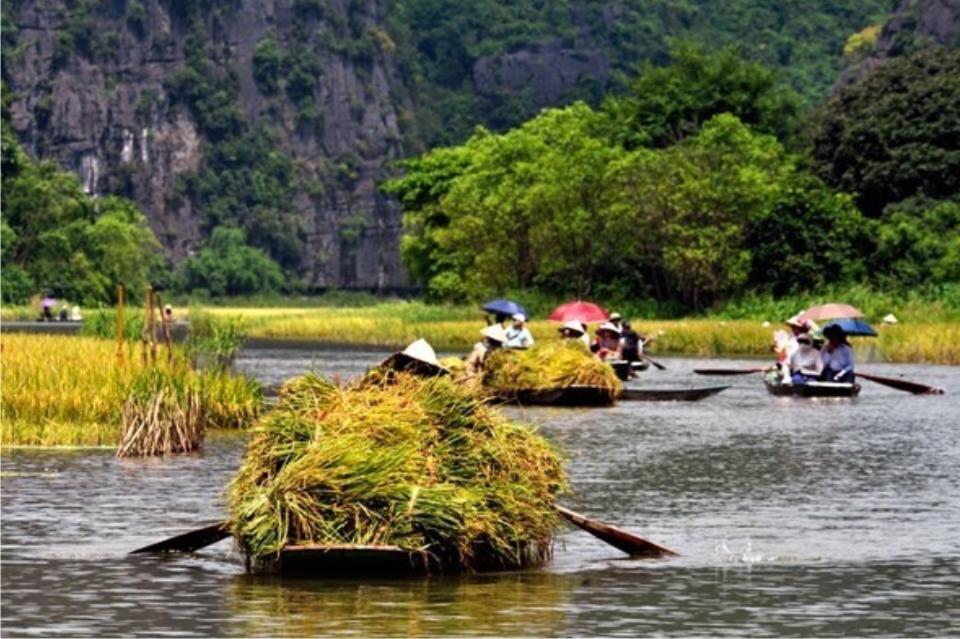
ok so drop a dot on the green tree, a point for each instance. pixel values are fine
(267, 65)
(57, 239)
(918, 243)
(666, 104)
(227, 265)
(895, 134)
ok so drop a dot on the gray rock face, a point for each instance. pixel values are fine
(107, 116)
(920, 22)
(547, 70)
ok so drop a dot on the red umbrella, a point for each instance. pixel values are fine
(829, 311)
(581, 311)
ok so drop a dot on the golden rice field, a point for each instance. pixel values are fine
(70, 391)
(399, 323)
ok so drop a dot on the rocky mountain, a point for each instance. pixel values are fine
(108, 93)
(281, 117)
(914, 25)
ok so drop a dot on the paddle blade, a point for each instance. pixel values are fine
(903, 385)
(189, 541)
(620, 539)
(657, 364)
(727, 371)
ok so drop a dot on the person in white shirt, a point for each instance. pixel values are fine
(493, 338)
(805, 363)
(517, 335)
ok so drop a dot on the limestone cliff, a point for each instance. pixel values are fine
(94, 93)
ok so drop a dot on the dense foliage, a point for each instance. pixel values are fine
(57, 240)
(895, 134)
(439, 43)
(585, 202)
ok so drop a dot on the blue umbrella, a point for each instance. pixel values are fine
(505, 307)
(853, 326)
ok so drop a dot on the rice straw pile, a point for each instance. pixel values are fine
(400, 460)
(163, 414)
(556, 364)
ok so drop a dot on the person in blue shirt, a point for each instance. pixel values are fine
(836, 356)
(517, 335)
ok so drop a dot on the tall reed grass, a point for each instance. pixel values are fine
(70, 391)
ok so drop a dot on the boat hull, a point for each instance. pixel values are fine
(669, 394)
(563, 396)
(348, 561)
(814, 389)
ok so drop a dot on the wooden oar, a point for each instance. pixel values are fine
(727, 371)
(620, 539)
(903, 385)
(653, 361)
(189, 541)
(616, 537)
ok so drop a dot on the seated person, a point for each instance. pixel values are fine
(575, 330)
(517, 335)
(607, 343)
(837, 356)
(805, 363)
(493, 338)
(632, 343)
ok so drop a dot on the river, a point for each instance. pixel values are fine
(793, 518)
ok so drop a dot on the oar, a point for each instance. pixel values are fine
(620, 539)
(727, 371)
(616, 537)
(903, 385)
(653, 361)
(189, 541)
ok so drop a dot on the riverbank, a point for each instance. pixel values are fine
(395, 323)
(71, 391)
(456, 328)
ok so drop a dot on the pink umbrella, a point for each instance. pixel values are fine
(586, 312)
(829, 311)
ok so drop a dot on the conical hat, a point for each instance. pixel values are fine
(495, 332)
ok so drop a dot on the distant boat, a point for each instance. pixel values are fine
(813, 389)
(669, 394)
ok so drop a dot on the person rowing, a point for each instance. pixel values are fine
(493, 338)
(837, 356)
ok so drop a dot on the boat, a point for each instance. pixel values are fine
(669, 394)
(813, 389)
(575, 395)
(355, 560)
(624, 369)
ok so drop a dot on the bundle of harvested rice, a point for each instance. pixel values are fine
(162, 415)
(395, 459)
(555, 364)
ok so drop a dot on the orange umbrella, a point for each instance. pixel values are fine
(833, 310)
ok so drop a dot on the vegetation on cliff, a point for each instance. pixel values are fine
(681, 192)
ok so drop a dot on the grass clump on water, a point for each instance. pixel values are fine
(394, 459)
(556, 364)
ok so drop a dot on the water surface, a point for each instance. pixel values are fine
(793, 517)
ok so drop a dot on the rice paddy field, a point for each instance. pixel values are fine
(395, 324)
(70, 391)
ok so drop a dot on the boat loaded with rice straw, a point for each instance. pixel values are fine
(561, 372)
(396, 473)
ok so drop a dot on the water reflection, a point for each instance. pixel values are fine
(509, 604)
(793, 519)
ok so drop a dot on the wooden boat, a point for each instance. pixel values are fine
(576, 395)
(337, 561)
(669, 394)
(813, 389)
